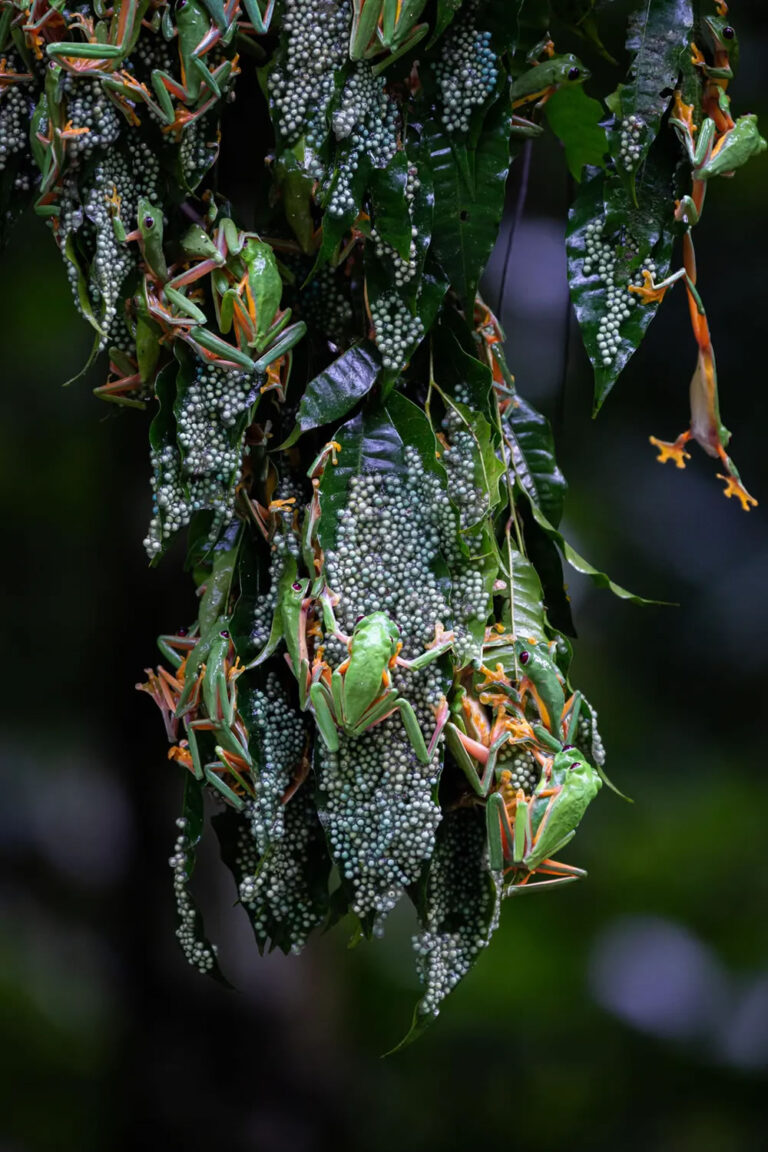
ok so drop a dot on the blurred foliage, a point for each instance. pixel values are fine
(98, 1020)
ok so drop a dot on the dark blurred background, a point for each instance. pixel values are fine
(629, 1011)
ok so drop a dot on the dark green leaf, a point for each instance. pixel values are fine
(575, 119)
(532, 451)
(390, 207)
(469, 198)
(335, 391)
(609, 242)
(658, 32)
(191, 833)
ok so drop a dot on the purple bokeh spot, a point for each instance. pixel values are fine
(655, 975)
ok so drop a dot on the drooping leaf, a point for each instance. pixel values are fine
(658, 33)
(191, 932)
(610, 243)
(469, 198)
(334, 392)
(575, 119)
(390, 207)
(285, 891)
(462, 905)
(532, 455)
(522, 590)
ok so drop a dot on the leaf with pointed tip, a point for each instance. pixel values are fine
(657, 35)
(461, 912)
(608, 243)
(336, 391)
(192, 813)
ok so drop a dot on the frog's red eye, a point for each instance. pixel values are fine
(296, 586)
(224, 634)
(359, 618)
(728, 33)
(567, 747)
(524, 657)
(574, 73)
(575, 765)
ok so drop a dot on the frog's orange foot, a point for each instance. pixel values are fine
(697, 57)
(722, 8)
(668, 451)
(734, 487)
(684, 112)
(648, 292)
(495, 675)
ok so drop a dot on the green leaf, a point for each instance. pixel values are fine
(335, 391)
(609, 242)
(461, 912)
(532, 455)
(575, 118)
(658, 32)
(289, 883)
(446, 10)
(469, 198)
(390, 207)
(526, 601)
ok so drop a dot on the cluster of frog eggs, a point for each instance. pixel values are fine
(282, 737)
(89, 106)
(524, 771)
(630, 141)
(462, 908)
(601, 260)
(379, 814)
(89, 211)
(367, 120)
(588, 738)
(199, 954)
(398, 331)
(285, 902)
(198, 149)
(326, 307)
(175, 499)
(466, 72)
(405, 267)
(14, 115)
(207, 476)
(302, 84)
(459, 459)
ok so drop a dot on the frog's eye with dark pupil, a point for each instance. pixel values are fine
(575, 765)
(149, 221)
(574, 73)
(728, 33)
(224, 635)
(524, 657)
(359, 618)
(297, 586)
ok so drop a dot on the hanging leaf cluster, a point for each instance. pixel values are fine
(374, 696)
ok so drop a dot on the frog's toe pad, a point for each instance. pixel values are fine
(734, 487)
(670, 451)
